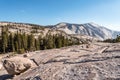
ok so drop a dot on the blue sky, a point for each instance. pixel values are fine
(47, 12)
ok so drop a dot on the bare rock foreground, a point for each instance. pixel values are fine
(98, 61)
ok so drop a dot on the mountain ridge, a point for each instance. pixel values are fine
(90, 29)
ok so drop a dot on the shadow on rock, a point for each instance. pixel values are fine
(5, 77)
(34, 78)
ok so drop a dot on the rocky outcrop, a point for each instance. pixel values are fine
(98, 61)
(83, 62)
(17, 65)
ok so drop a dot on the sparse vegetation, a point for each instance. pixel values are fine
(113, 40)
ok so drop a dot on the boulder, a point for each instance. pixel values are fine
(0, 66)
(17, 65)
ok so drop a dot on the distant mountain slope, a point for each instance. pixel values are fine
(86, 31)
(90, 29)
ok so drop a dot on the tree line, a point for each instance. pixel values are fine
(117, 39)
(21, 42)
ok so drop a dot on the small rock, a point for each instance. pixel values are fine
(26, 55)
(17, 65)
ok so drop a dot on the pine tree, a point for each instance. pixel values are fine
(24, 41)
(58, 41)
(50, 42)
(0, 45)
(16, 46)
(63, 41)
(66, 41)
(4, 39)
(43, 43)
(17, 41)
(31, 42)
(11, 43)
(39, 40)
(54, 46)
(37, 44)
